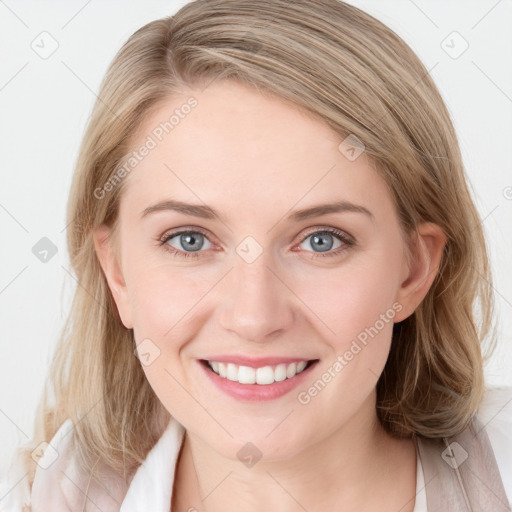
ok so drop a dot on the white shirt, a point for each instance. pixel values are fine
(151, 487)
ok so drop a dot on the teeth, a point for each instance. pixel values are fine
(264, 375)
(280, 372)
(232, 372)
(246, 374)
(291, 370)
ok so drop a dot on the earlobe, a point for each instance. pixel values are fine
(112, 270)
(421, 269)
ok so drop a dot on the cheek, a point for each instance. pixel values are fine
(357, 305)
(353, 297)
(162, 300)
(161, 297)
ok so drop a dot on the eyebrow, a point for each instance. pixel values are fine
(206, 212)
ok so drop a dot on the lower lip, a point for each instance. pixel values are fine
(256, 392)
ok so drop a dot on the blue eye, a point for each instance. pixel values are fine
(190, 242)
(322, 242)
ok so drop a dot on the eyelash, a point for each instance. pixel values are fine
(347, 241)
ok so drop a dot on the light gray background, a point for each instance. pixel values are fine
(45, 103)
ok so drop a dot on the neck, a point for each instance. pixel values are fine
(357, 467)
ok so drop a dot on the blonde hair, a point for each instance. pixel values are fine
(355, 74)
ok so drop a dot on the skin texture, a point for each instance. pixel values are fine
(256, 159)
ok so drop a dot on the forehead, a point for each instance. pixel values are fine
(241, 150)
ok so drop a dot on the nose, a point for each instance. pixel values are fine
(256, 301)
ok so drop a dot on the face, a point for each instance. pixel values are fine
(256, 273)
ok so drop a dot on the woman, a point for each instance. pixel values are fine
(279, 260)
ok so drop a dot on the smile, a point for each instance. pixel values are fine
(263, 376)
(254, 384)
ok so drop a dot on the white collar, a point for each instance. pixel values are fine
(151, 486)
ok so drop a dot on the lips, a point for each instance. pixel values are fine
(255, 382)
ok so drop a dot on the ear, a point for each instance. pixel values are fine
(109, 262)
(421, 269)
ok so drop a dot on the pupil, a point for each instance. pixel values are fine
(189, 239)
(317, 239)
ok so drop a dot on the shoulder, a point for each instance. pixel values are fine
(14, 488)
(61, 484)
(51, 460)
(495, 414)
(54, 463)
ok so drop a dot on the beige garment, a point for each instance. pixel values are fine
(65, 487)
(461, 473)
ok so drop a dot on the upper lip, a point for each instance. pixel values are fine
(254, 362)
